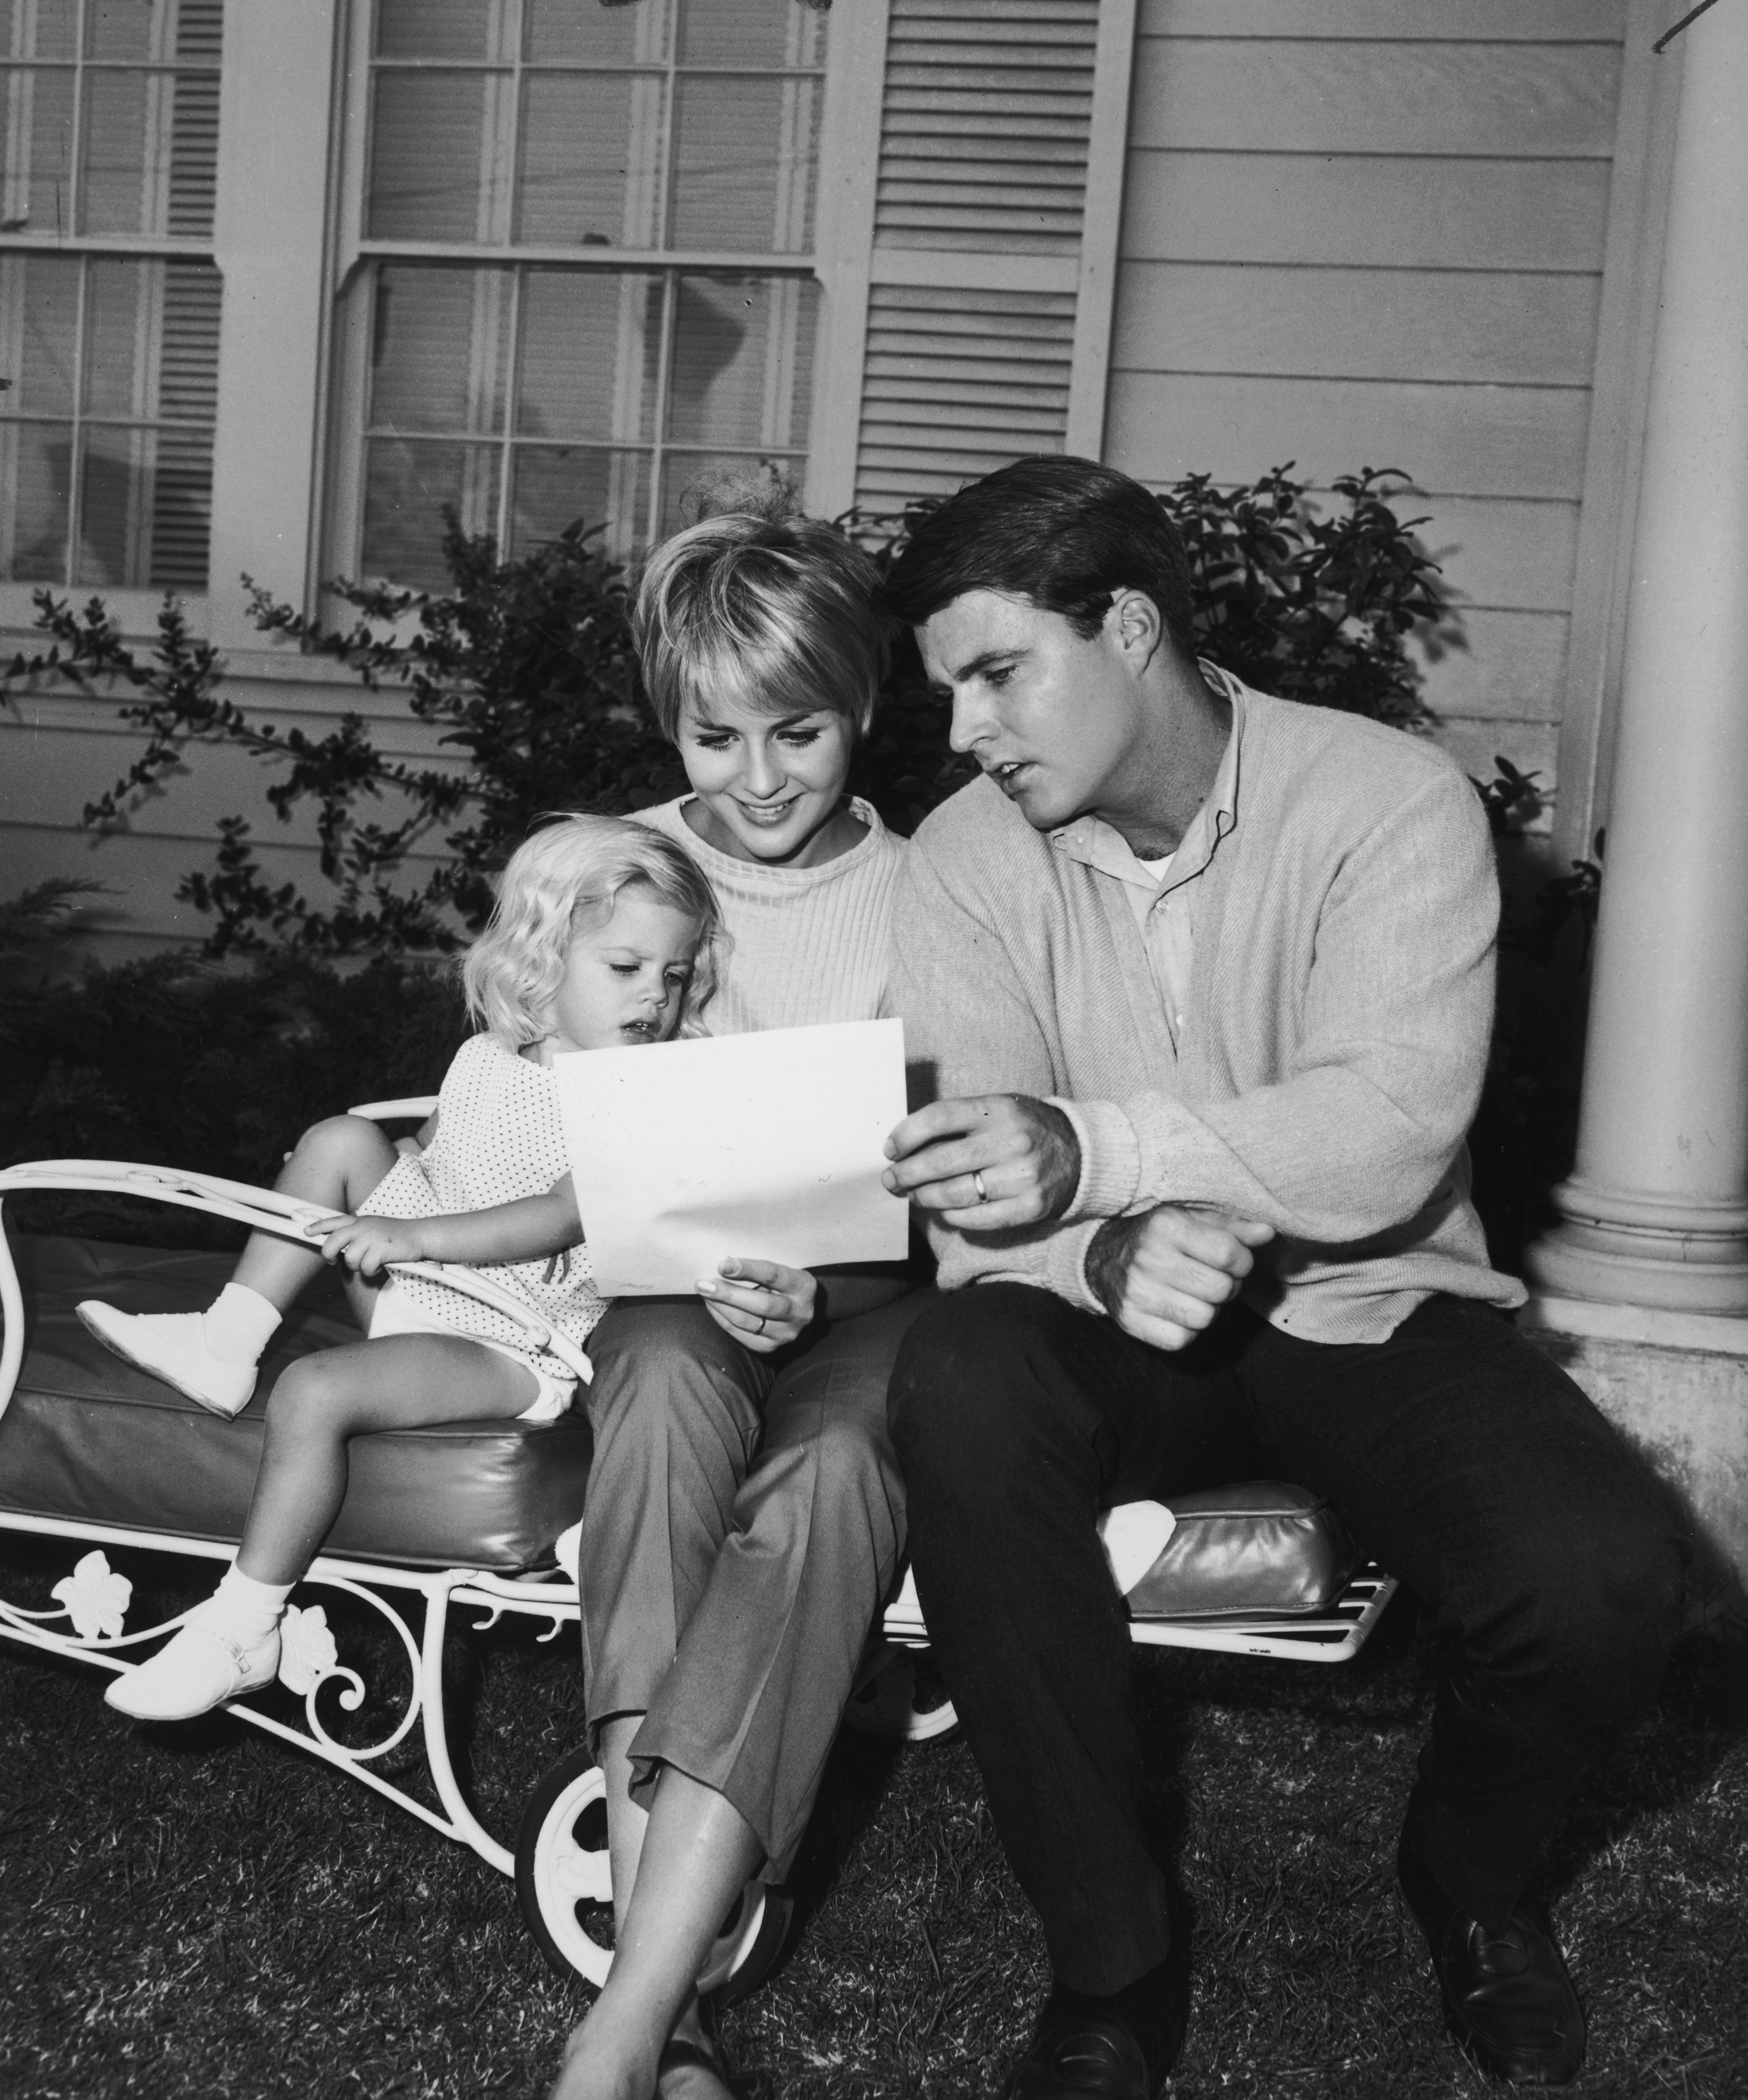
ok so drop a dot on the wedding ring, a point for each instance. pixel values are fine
(761, 1323)
(977, 1180)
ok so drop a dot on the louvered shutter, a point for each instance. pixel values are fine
(972, 288)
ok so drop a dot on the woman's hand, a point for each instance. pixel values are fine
(762, 1303)
(367, 1244)
(986, 1164)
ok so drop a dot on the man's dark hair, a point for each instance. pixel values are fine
(1067, 534)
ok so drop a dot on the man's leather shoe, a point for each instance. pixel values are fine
(1087, 2050)
(1508, 1998)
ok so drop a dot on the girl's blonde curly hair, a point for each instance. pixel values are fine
(563, 879)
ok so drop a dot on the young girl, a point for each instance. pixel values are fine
(604, 935)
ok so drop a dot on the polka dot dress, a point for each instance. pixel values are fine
(499, 1138)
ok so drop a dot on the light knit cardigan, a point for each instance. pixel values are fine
(1340, 1004)
(810, 944)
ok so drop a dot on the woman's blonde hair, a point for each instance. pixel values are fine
(774, 611)
(573, 870)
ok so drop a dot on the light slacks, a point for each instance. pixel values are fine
(744, 1523)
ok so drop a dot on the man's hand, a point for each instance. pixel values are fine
(1164, 1275)
(367, 1244)
(985, 1164)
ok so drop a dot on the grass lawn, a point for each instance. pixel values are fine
(202, 1911)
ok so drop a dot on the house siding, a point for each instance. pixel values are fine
(1372, 232)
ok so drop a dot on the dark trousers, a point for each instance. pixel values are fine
(1462, 1460)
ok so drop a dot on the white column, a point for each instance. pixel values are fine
(1656, 1212)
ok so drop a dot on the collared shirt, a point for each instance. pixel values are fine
(1164, 894)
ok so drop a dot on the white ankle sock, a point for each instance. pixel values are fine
(247, 1609)
(239, 1324)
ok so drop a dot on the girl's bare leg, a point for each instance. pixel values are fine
(231, 1643)
(401, 1382)
(696, 1854)
(336, 1164)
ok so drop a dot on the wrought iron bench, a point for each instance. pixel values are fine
(467, 1517)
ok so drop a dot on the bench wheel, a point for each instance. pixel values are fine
(565, 1886)
(884, 1702)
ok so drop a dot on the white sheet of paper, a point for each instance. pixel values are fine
(770, 1145)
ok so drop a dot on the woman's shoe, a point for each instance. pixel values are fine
(172, 1346)
(692, 2067)
(202, 1666)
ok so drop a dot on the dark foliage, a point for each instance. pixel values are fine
(174, 1062)
(1310, 607)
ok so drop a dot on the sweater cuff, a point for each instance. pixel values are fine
(1111, 1159)
(1065, 1265)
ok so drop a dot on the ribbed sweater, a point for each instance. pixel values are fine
(1340, 1004)
(810, 944)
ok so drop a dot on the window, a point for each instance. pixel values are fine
(109, 302)
(583, 271)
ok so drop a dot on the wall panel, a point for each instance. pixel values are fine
(1371, 232)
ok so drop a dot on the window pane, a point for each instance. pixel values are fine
(39, 28)
(755, 33)
(39, 325)
(439, 349)
(146, 29)
(125, 185)
(145, 502)
(36, 473)
(36, 142)
(556, 486)
(743, 359)
(591, 348)
(425, 156)
(433, 28)
(590, 160)
(561, 30)
(407, 486)
(742, 177)
(122, 303)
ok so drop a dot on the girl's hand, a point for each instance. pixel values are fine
(762, 1303)
(367, 1244)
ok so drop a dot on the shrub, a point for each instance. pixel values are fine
(526, 668)
(176, 1062)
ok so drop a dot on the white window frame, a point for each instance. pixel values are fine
(355, 252)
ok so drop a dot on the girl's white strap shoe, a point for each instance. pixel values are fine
(205, 1665)
(172, 1346)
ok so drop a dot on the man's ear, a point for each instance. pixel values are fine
(1138, 626)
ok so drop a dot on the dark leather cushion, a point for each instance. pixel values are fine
(1261, 1549)
(89, 1436)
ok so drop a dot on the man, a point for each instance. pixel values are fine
(1202, 982)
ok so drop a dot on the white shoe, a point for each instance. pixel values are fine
(172, 1346)
(201, 1667)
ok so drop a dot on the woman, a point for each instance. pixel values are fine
(745, 1516)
